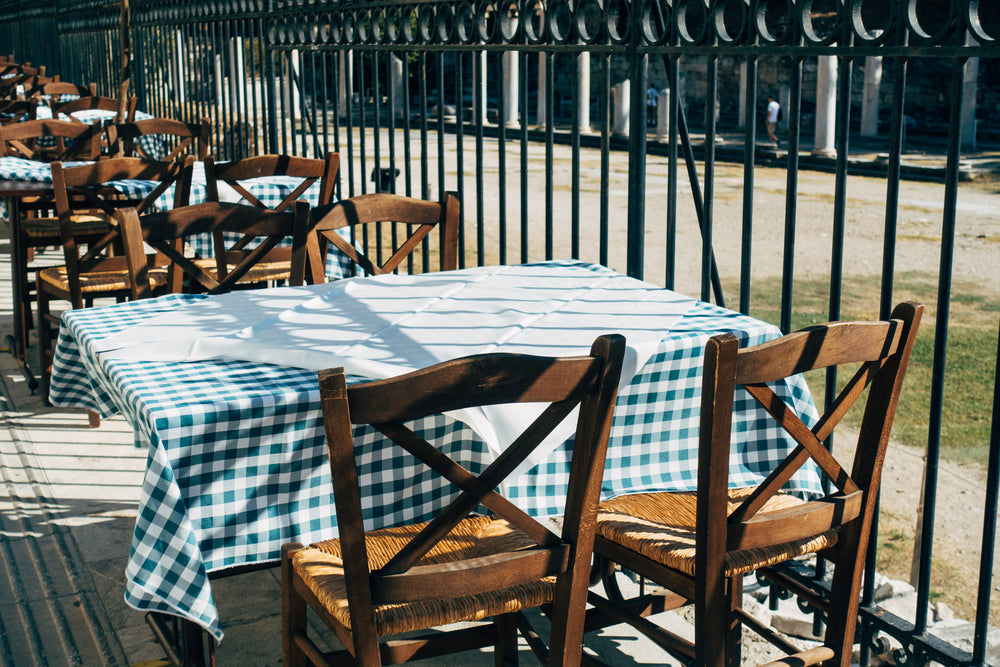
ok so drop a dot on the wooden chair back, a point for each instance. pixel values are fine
(78, 189)
(415, 219)
(166, 231)
(91, 103)
(17, 111)
(69, 141)
(53, 90)
(881, 350)
(181, 138)
(310, 170)
(588, 382)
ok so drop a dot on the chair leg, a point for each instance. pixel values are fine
(734, 627)
(293, 612)
(505, 650)
(44, 356)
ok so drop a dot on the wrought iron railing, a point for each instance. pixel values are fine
(515, 103)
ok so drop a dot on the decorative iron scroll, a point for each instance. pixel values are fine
(908, 26)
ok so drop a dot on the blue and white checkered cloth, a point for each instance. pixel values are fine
(238, 463)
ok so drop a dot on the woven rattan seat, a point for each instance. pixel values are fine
(321, 569)
(370, 585)
(56, 278)
(661, 526)
(699, 545)
(48, 228)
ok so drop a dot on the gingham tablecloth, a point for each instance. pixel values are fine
(238, 466)
(270, 190)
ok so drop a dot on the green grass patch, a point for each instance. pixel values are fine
(970, 354)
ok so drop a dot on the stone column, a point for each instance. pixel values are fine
(510, 89)
(346, 75)
(870, 99)
(826, 106)
(785, 100)
(237, 75)
(482, 86)
(543, 91)
(663, 115)
(179, 70)
(620, 99)
(583, 80)
(398, 85)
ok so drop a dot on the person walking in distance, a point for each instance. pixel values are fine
(773, 109)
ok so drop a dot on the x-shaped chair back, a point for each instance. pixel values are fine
(165, 233)
(310, 170)
(588, 382)
(72, 141)
(79, 188)
(94, 103)
(415, 217)
(182, 138)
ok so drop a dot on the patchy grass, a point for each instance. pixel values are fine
(970, 354)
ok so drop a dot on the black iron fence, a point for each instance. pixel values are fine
(606, 130)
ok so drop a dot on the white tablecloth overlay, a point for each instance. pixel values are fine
(388, 325)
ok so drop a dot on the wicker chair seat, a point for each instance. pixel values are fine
(48, 228)
(98, 281)
(660, 526)
(321, 568)
(258, 273)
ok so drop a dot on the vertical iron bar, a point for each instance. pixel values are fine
(605, 154)
(673, 109)
(749, 161)
(460, 145)
(502, 158)
(579, 98)
(638, 72)
(708, 222)
(522, 82)
(940, 345)
(479, 111)
(791, 193)
(547, 58)
(987, 551)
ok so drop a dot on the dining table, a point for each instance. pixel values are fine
(222, 393)
(22, 178)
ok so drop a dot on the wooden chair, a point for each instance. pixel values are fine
(460, 566)
(700, 545)
(414, 218)
(86, 276)
(163, 231)
(233, 174)
(179, 138)
(94, 103)
(66, 140)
